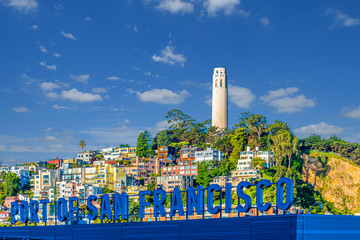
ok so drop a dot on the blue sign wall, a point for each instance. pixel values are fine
(296, 227)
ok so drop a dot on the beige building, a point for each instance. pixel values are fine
(245, 170)
(220, 99)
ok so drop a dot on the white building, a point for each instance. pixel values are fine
(44, 184)
(209, 154)
(66, 189)
(85, 156)
(220, 99)
(245, 170)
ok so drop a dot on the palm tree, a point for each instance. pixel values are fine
(82, 144)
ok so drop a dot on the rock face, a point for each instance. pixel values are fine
(336, 178)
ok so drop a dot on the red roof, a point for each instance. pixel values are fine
(4, 212)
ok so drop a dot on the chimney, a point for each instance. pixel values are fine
(257, 148)
(248, 148)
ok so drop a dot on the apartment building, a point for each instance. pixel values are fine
(85, 156)
(209, 154)
(245, 170)
(185, 170)
(73, 174)
(72, 189)
(187, 155)
(168, 183)
(166, 154)
(45, 182)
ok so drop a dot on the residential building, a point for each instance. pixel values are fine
(122, 180)
(45, 182)
(245, 170)
(73, 189)
(3, 216)
(56, 161)
(72, 161)
(222, 180)
(168, 183)
(85, 156)
(166, 154)
(209, 154)
(73, 174)
(185, 170)
(8, 200)
(36, 168)
(187, 155)
(100, 176)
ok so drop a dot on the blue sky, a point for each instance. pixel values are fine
(105, 71)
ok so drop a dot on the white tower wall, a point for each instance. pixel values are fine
(220, 99)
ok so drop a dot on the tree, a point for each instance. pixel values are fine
(258, 162)
(51, 166)
(223, 144)
(285, 145)
(254, 123)
(163, 138)
(180, 124)
(238, 141)
(12, 184)
(107, 190)
(124, 145)
(142, 145)
(277, 127)
(82, 144)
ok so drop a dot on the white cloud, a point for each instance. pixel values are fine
(264, 21)
(208, 100)
(285, 102)
(351, 112)
(147, 74)
(50, 138)
(35, 27)
(342, 19)
(273, 94)
(48, 129)
(213, 7)
(49, 86)
(68, 35)
(20, 109)
(169, 57)
(50, 67)
(56, 55)
(113, 78)
(99, 90)
(162, 96)
(43, 49)
(176, 6)
(159, 126)
(240, 96)
(136, 29)
(59, 107)
(88, 19)
(77, 96)
(83, 78)
(323, 129)
(24, 6)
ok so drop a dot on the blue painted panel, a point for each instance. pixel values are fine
(289, 227)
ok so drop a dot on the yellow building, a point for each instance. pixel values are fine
(113, 177)
(126, 152)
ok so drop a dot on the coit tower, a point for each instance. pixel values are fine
(220, 99)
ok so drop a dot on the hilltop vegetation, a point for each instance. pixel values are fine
(290, 153)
